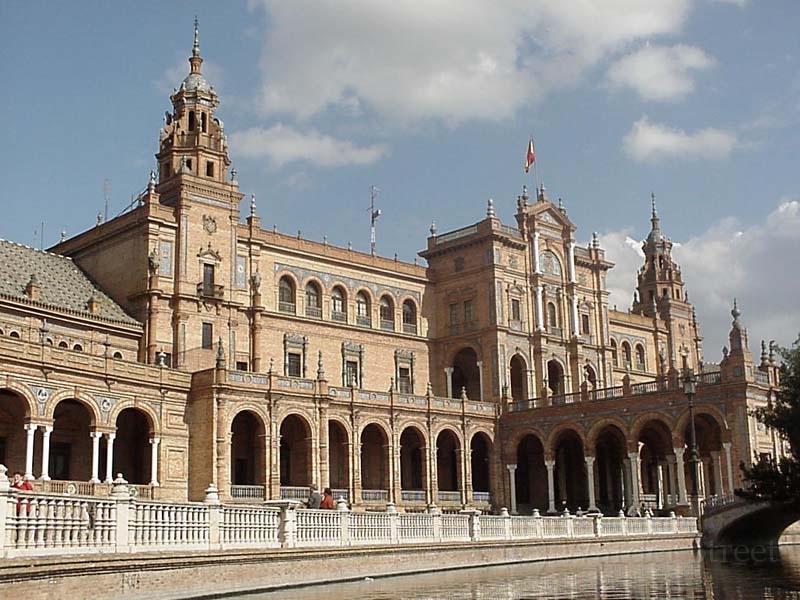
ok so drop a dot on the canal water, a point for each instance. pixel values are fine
(764, 575)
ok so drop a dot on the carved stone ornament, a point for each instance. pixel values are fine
(209, 224)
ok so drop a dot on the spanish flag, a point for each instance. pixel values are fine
(530, 157)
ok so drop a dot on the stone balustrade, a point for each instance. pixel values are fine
(34, 524)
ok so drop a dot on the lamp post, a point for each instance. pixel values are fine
(690, 388)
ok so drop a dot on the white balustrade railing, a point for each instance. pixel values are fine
(33, 524)
(449, 496)
(251, 492)
(249, 526)
(374, 495)
(480, 497)
(294, 493)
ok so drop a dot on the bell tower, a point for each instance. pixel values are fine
(661, 296)
(192, 140)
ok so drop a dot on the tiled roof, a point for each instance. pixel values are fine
(63, 285)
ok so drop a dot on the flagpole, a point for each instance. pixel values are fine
(536, 180)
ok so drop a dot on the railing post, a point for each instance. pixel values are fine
(649, 523)
(287, 525)
(506, 523)
(598, 525)
(121, 493)
(674, 521)
(214, 517)
(624, 523)
(344, 522)
(433, 510)
(394, 534)
(5, 494)
(474, 523)
(538, 527)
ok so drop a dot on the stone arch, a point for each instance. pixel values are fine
(24, 393)
(70, 442)
(386, 310)
(287, 288)
(81, 397)
(339, 295)
(635, 428)
(608, 444)
(409, 313)
(413, 459)
(509, 446)
(598, 426)
(481, 449)
(364, 301)
(338, 455)
(152, 416)
(134, 428)
(590, 375)
(14, 414)
(466, 374)
(530, 477)
(557, 432)
(711, 412)
(448, 466)
(556, 376)
(374, 459)
(296, 449)
(313, 290)
(570, 482)
(518, 375)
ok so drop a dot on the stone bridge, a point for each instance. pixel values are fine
(730, 521)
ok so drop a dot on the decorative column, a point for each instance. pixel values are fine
(95, 435)
(633, 458)
(432, 486)
(539, 309)
(727, 447)
(512, 487)
(536, 264)
(110, 437)
(705, 466)
(551, 488)
(681, 473)
(30, 430)
(480, 379)
(590, 482)
(448, 377)
(719, 487)
(46, 431)
(571, 261)
(671, 479)
(154, 442)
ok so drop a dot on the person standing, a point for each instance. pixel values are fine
(314, 499)
(327, 499)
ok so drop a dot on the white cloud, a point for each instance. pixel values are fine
(648, 141)
(754, 264)
(659, 73)
(454, 60)
(282, 144)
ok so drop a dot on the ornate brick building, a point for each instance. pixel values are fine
(182, 346)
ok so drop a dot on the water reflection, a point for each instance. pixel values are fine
(664, 575)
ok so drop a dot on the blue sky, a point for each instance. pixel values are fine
(433, 103)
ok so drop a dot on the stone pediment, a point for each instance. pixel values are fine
(209, 253)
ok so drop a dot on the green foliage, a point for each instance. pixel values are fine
(780, 480)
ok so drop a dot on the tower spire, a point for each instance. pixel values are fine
(196, 60)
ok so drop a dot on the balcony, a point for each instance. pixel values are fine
(363, 321)
(210, 290)
(287, 307)
(387, 325)
(314, 312)
(339, 316)
(410, 328)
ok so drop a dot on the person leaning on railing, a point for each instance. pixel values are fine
(22, 484)
(327, 499)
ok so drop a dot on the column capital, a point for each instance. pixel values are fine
(448, 370)
(47, 429)
(111, 435)
(727, 446)
(155, 440)
(679, 451)
(96, 434)
(30, 427)
(550, 464)
(511, 467)
(589, 459)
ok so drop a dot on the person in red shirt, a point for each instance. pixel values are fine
(327, 499)
(20, 483)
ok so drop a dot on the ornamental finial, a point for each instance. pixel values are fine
(196, 45)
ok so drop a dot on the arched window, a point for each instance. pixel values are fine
(286, 296)
(77, 348)
(409, 317)
(363, 310)
(614, 356)
(626, 355)
(63, 345)
(387, 313)
(640, 362)
(313, 300)
(338, 305)
(117, 355)
(14, 334)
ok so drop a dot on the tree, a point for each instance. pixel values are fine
(779, 480)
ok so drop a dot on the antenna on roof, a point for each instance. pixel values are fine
(373, 216)
(107, 196)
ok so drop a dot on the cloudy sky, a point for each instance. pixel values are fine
(433, 102)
